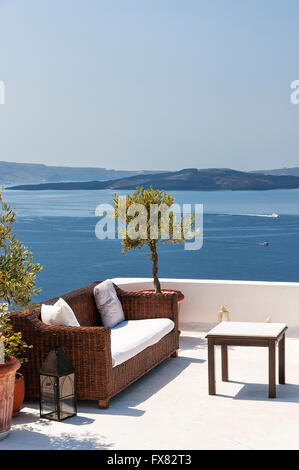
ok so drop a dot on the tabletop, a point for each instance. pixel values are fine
(247, 329)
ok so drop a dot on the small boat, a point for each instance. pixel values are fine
(274, 215)
(266, 244)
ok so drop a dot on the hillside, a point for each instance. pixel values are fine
(14, 173)
(212, 179)
(281, 171)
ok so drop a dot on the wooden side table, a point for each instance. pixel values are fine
(247, 334)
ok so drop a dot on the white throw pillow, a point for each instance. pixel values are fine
(59, 314)
(108, 304)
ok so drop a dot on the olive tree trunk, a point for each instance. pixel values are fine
(155, 268)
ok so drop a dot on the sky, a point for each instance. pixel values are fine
(150, 84)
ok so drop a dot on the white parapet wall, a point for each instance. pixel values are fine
(245, 300)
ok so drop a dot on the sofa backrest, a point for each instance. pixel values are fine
(83, 305)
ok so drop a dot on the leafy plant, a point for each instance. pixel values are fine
(17, 279)
(14, 345)
(154, 223)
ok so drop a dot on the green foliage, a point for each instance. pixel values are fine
(149, 227)
(17, 278)
(14, 345)
(146, 198)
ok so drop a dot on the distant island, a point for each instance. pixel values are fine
(31, 173)
(212, 179)
(294, 171)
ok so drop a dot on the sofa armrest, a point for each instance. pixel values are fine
(142, 305)
(81, 339)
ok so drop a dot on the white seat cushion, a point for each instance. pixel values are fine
(108, 304)
(131, 337)
(59, 314)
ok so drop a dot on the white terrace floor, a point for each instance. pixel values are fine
(170, 408)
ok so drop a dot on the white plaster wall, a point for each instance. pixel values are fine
(245, 300)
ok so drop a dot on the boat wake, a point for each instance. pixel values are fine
(272, 216)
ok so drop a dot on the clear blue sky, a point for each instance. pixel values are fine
(152, 84)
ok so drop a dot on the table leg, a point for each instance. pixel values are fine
(272, 380)
(224, 363)
(211, 367)
(281, 360)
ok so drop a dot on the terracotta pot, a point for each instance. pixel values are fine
(19, 394)
(7, 386)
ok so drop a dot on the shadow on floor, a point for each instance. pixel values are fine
(288, 393)
(29, 431)
(192, 342)
(126, 403)
(30, 438)
(25, 417)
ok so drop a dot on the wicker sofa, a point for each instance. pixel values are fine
(88, 347)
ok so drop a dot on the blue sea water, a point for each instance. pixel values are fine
(59, 227)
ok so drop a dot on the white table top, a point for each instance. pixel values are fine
(247, 329)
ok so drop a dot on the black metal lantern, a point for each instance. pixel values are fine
(57, 387)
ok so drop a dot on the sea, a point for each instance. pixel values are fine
(59, 228)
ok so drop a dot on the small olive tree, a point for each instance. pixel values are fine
(147, 220)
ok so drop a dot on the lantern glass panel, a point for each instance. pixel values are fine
(48, 388)
(66, 385)
(67, 395)
(67, 407)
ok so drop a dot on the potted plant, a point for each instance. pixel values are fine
(148, 220)
(7, 384)
(14, 346)
(17, 286)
